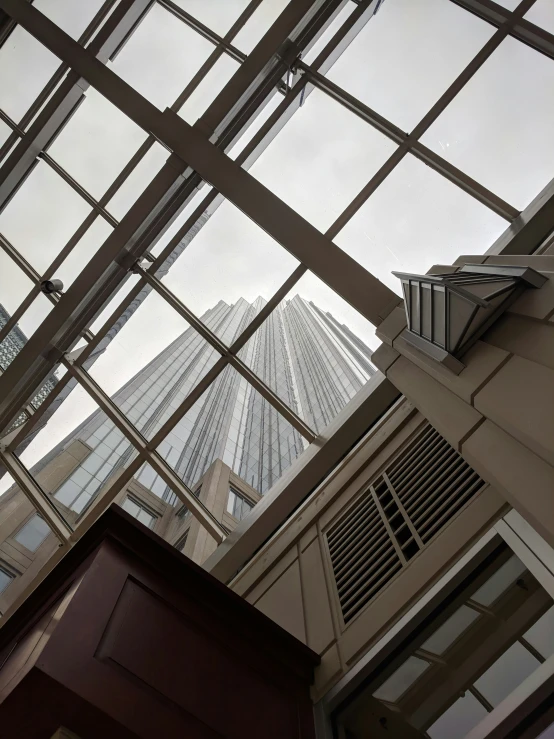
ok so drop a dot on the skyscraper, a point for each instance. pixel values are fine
(9, 349)
(310, 360)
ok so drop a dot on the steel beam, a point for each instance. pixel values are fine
(88, 292)
(523, 30)
(429, 118)
(419, 150)
(65, 100)
(265, 391)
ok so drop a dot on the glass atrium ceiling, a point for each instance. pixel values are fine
(306, 147)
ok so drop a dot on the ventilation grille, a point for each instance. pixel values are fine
(399, 513)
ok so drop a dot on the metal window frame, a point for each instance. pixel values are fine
(517, 534)
(199, 155)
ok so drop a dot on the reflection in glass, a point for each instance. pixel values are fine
(139, 512)
(541, 634)
(451, 629)
(509, 671)
(483, 653)
(32, 533)
(399, 682)
(460, 718)
(505, 576)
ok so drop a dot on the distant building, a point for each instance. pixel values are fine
(311, 361)
(9, 349)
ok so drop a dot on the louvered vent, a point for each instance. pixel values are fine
(400, 512)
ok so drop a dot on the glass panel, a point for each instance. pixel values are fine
(146, 358)
(232, 422)
(460, 718)
(96, 143)
(5, 132)
(542, 13)
(112, 304)
(321, 159)
(174, 51)
(451, 630)
(483, 658)
(208, 89)
(83, 251)
(391, 65)
(219, 15)
(499, 583)
(33, 533)
(416, 219)
(258, 24)
(508, 148)
(541, 634)
(147, 519)
(73, 17)
(25, 66)
(131, 507)
(319, 357)
(138, 180)
(509, 671)
(231, 502)
(5, 578)
(42, 216)
(254, 265)
(402, 679)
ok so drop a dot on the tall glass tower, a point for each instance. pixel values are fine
(310, 360)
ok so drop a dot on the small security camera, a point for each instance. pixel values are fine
(51, 286)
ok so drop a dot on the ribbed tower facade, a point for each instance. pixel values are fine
(311, 361)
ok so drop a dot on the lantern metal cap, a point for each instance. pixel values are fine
(447, 313)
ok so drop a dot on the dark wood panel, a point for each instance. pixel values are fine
(147, 644)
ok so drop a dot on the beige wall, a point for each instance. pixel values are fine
(291, 578)
(499, 412)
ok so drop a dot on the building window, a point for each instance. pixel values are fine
(140, 512)
(33, 533)
(5, 578)
(237, 505)
(180, 544)
(483, 642)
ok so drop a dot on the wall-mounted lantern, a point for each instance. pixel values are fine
(447, 313)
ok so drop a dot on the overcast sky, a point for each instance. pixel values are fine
(498, 130)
